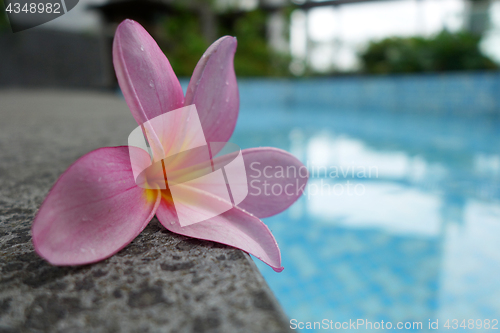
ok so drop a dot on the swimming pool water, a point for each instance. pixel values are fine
(420, 238)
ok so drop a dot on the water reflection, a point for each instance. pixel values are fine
(423, 239)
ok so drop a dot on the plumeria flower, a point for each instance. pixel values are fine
(96, 208)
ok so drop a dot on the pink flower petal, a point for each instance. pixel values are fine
(146, 78)
(235, 228)
(276, 180)
(214, 90)
(93, 211)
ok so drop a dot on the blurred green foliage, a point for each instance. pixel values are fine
(444, 52)
(4, 21)
(254, 57)
(182, 41)
(184, 44)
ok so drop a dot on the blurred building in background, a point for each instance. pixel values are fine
(329, 36)
(75, 49)
(276, 38)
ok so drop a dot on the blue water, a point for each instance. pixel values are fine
(420, 238)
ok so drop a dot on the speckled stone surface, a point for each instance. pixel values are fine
(161, 282)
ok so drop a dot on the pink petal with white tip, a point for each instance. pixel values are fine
(148, 83)
(93, 211)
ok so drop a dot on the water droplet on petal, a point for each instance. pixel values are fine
(227, 83)
(172, 223)
(152, 84)
(142, 47)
